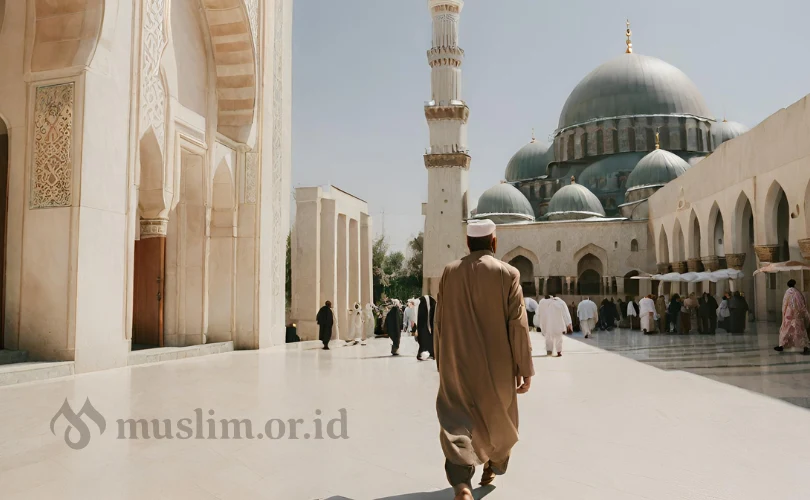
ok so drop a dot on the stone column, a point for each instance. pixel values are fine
(574, 290)
(366, 272)
(620, 286)
(544, 291)
(537, 289)
(342, 272)
(305, 250)
(567, 286)
(354, 262)
(328, 260)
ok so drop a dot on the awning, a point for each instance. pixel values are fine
(778, 267)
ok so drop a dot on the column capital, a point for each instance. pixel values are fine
(766, 253)
(663, 267)
(711, 262)
(679, 267)
(735, 260)
(154, 228)
(694, 265)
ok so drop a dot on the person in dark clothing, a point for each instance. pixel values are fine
(325, 321)
(393, 327)
(707, 310)
(424, 327)
(738, 307)
(674, 313)
(607, 315)
(622, 309)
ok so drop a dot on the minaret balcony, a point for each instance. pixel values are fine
(454, 110)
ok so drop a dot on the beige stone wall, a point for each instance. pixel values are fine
(141, 114)
(743, 178)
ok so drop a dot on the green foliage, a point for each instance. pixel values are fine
(394, 275)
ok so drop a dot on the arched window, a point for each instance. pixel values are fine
(559, 245)
(634, 246)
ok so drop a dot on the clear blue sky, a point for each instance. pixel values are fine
(360, 79)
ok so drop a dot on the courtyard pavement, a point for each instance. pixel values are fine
(596, 425)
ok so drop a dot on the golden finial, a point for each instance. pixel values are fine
(629, 41)
(573, 180)
(657, 139)
(534, 139)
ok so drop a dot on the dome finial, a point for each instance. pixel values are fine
(573, 180)
(629, 41)
(534, 139)
(657, 138)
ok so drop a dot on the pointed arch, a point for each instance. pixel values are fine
(776, 196)
(663, 246)
(693, 232)
(716, 232)
(522, 252)
(66, 34)
(596, 250)
(235, 59)
(742, 235)
(678, 251)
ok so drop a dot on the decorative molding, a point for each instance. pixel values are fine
(154, 228)
(711, 263)
(694, 265)
(433, 113)
(447, 8)
(253, 16)
(735, 260)
(663, 267)
(251, 177)
(804, 248)
(679, 267)
(52, 172)
(153, 90)
(460, 160)
(279, 239)
(766, 253)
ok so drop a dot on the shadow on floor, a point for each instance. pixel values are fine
(444, 494)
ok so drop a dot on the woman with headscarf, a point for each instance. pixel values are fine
(795, 319)
(674, 312)
(393, 326)
(723, 313)
(738, 307)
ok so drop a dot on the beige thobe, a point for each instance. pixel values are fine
(481, 343)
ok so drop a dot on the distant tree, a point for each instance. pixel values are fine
(394, 275)
(414, 265)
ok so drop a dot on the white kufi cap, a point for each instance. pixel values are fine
(480, 228)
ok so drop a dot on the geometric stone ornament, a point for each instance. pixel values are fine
(153, 91)
(679, 267)
(447, 160)
(154, 228)
(804, 248)
(735, 260)
(766, 253)
(694, 265)
(711, 263)
(52, 172)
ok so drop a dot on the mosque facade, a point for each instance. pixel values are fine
(585, 214)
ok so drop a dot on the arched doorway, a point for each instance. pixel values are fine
(526, 269)
(4, 150)
(717, 233)
(589, 272)
(783, 228)
(631, 287)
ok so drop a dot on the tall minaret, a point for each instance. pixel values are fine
(448, 159)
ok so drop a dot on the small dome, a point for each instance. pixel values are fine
(656, 169)
(725, 131)
(504, 203)
(633, 85)
(529, 162)
(608, 175)
(574, 201)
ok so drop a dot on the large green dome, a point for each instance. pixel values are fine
(574, 201)
(529, 162)
(656, 169)
(504, 203)
(609, 174)
(633, 85)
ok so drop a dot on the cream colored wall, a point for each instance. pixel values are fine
(608, 240)
(774, 154)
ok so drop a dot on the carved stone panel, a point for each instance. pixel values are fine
(278, 150)
(251, 177)
(694, 265)
(154, 228)
(153, 92)
(711, 263)
(735, 260)
(766, 253)
(52, 169)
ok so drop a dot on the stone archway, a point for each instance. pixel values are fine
(777, 223)
(526, 270)
(65, 33)
(678, 244)
(590, 270)
(663, 248)
(222, 253)
(716, 233)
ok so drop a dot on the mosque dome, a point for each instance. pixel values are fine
(504, 203)
(609, 174)
(574, 201)
(529, 162)
(725, 131)
(656, 169)
(633, 85)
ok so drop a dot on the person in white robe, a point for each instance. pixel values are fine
(356, 331)
(588, 314)
(531, 309)
(647, 312)
(554, 320)
(368, 323)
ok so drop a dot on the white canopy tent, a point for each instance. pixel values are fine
(715, 276)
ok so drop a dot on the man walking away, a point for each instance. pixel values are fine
(483, 353)
(554, 321)
(647, 312)
(795, 319)
(393, 324)
(531, 308)
(424, 327)
(708, 314)
(325, 322)
(588, 316)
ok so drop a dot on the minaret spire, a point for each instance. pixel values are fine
(629, 42)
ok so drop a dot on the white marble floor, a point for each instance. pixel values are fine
(596, 425)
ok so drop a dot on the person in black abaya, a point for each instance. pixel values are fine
(424, 327)
(393, 327)
(738, 307)
(325, 321)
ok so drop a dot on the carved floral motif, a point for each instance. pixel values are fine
(52, 176)
(153, 92)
